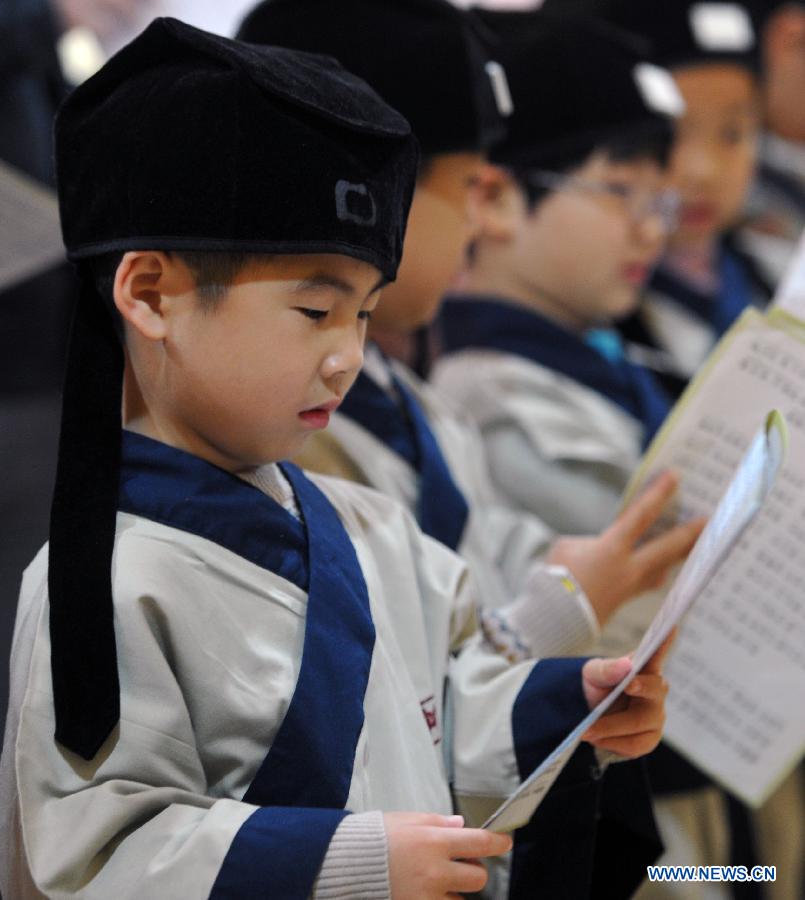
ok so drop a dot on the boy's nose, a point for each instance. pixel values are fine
(345, 361)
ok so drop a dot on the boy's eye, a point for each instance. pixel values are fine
(311, 313)
(365, 314)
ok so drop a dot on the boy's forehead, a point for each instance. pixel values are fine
(313, 271)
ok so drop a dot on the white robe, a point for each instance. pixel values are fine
(502, 546)
(209, 648)
(556, 448)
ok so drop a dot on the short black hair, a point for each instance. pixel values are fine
(213, 271)
(650, 141)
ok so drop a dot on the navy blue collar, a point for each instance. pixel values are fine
(495, 324)
(311, 760)
(168, 485)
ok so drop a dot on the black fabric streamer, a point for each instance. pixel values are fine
(82, 533)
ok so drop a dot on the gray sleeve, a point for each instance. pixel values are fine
(356, 864)
(572, 497)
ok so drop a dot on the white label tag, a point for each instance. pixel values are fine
(722, 27)
(500, 87)
(658, 89)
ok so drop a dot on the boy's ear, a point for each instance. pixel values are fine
(139, 291)
(498, 204)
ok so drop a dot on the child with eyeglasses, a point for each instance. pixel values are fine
(706, 278)
(573, 215)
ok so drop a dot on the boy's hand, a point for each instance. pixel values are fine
(618, 565)
(432, 857)
(633, 725)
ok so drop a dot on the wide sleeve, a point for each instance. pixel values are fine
(505, 719)
(149, 816)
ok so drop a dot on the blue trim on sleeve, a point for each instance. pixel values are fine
(167, 485)
(311, 760)
(549, 706)
(277, 852)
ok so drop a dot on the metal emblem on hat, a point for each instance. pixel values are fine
(722, 27)
(349, 208)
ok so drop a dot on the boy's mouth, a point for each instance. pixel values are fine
(319, 416)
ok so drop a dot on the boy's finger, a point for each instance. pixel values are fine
(474, 843)
(605, 673)
(634, 521)
(631, 746)
(655, 663)
(660, 553)
(635, 720)
(467, 876)
(647, 686)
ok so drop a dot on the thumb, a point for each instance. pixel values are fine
(606, 673)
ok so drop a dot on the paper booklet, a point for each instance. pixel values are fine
(736, 708)
(30, 238)
(737, 508)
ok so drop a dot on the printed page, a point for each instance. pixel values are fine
(737, 670)
(30, 239)
(738, 507)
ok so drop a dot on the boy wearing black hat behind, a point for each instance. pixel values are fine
(233, 655)
(705, 280)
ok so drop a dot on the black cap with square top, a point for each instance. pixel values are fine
(189, 141)
(684, 32)
(426, 57)
(574, 84)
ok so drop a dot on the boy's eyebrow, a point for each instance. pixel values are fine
(324, 280)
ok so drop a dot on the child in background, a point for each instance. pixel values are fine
(704, 281)
(571, 220)
(776, 210)
(246, 669)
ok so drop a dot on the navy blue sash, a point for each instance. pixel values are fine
(493, 324)
(441, 508)
(303, 783)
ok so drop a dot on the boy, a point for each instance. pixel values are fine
(705, 281)
(246, 675)
(572, 218)
(530, 352)
(776, 213)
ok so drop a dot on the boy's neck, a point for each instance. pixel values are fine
(480, 280)
(139, 418)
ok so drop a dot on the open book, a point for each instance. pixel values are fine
(739, 505)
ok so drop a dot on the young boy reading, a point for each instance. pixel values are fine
(572, 218)
(247, 671)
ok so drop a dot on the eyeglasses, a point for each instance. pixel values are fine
(640, 204)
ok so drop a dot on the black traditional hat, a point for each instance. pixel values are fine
(425, 57)
(683, 32)
(573, 85)
(186, 140)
